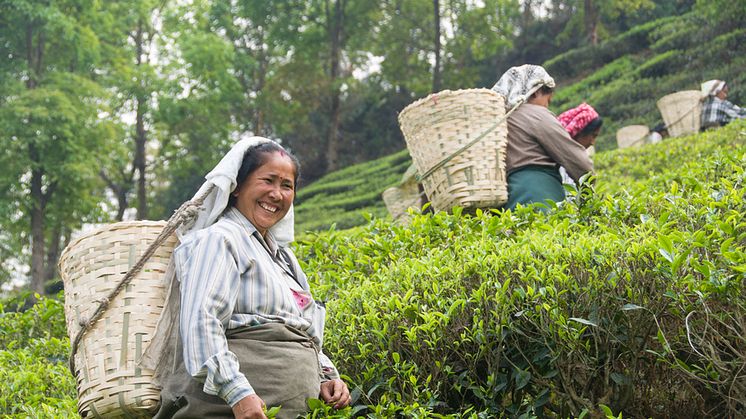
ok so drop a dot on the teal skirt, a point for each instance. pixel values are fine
(534, 184)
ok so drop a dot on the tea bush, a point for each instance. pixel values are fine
(628, 299)
(632, 298)
(36, 381)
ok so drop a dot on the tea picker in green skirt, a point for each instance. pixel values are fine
(537, 143)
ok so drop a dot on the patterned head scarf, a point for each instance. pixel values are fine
(575, 119)
(712, 87)
(519, 83)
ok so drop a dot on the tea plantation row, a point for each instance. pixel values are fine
(630, 299)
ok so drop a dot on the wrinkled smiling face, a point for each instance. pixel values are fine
(266, 195)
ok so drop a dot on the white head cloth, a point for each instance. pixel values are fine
(223, 176)
(712, 87)
(519, 83)
(160, 355)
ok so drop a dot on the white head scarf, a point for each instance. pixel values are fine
(519, 83)
(223, 176)
(712, 87)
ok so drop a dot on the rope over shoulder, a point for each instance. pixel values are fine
(187, 212)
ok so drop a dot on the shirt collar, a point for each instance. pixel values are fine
(269, 241)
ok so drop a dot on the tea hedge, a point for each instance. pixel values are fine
(631, 298)
(628, 300)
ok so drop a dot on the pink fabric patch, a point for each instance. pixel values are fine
(575, 119)
(303, 300)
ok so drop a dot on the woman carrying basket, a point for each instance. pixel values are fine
(537, 143)
(250, 331)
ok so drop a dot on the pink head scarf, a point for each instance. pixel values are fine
(575, 119)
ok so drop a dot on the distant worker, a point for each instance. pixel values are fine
(716, 111)
(583, 124)
(658, 133)
(537, 143)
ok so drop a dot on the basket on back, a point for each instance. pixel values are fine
(399, 199)
(439, 130)
(681, 112)
(109, 381)
(632, 136)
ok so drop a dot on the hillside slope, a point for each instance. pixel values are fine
(622, 77)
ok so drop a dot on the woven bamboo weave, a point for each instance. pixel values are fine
(110, 383)
(632, 136)
(681, 112)
(437, 127)
(399, 199)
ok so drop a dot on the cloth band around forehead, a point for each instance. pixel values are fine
(576, 119)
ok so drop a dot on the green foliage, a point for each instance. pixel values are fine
(626, 302)
(33, 362)
(347, 197)
(627, 74)
(589, 308)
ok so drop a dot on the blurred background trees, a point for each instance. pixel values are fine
(116, 110)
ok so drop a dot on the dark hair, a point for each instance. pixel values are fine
(544, 90)
(255, 157)
(592, 127)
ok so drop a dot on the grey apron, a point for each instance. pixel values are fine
(280, 362)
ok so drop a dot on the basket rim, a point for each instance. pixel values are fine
(108, 227)
(445, 93)
(681, 93)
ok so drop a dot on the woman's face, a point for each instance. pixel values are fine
(589, 139)
(723, 93)
(266, 195)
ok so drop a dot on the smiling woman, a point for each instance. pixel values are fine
(267, 188)
(250, 331)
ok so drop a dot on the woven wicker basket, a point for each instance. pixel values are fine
(681, 112)
(110, 384)
(438, 126)
(399, 199)
(632, 136)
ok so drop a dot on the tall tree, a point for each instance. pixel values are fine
(130, 44)
(50, 125)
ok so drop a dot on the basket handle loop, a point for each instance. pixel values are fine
(187, 212)
(467, 145)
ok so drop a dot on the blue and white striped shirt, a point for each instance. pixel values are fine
(229, 280)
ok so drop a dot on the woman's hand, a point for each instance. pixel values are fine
(335, 392)
(250, 407)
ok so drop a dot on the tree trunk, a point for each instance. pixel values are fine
(53, 253)
(335, 22)
(436, 69)
(37, 225)
(121, 192)
(260, 75)
(140, 134)
(34, 55)
(591, 16)
(527, 15)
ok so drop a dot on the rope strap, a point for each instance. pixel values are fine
(186, 213)
(467, 145)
